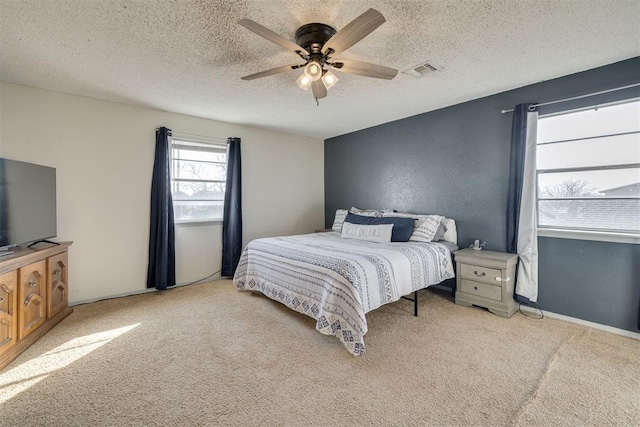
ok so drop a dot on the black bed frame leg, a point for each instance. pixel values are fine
(415, 302)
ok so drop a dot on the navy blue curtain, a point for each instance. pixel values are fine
(161, 271)
(232, 221)
(516, 174)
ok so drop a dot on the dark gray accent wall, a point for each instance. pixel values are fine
(455, 162)
(595, 281)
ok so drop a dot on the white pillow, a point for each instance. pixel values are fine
(372, 233)
(341, 214)
(424, 229)
(451, 235)
(370, 212)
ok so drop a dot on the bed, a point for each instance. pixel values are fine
(337, 281)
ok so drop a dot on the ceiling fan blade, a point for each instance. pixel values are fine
(365, 69)
(270, 72)
(353, 32)
(271, 36)
(319, 90)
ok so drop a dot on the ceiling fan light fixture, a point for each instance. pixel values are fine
(304, 82)
(329, 79)
(316, 44)
(313, 70)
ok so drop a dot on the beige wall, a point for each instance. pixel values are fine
(103, 153)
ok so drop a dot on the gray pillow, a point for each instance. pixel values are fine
(440, 233)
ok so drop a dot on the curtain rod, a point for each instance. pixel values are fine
(184, 134)
(533, 106)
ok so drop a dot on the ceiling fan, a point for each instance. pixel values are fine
(316, 44)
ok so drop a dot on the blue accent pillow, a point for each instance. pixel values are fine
(402, 227)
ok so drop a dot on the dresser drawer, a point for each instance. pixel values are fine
(480, 274)
(481, 289)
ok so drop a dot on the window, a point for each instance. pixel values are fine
(588, 169)
(199, 171)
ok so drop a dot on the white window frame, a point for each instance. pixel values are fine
(185, 142)
(585, 233)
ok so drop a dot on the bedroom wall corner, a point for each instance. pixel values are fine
(283, 184)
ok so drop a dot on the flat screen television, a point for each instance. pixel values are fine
(27, 203)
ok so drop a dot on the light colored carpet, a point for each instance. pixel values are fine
(211, 355)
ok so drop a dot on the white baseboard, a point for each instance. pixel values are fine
(611, 329)
(143, 291)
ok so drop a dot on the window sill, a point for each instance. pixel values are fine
(197, 223)
(599, 236)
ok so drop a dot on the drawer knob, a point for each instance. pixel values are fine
(479, 275)
(56, 273)
(475, 287)
(1, 299)
(32, 283)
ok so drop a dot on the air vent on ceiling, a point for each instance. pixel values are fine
(421, 70)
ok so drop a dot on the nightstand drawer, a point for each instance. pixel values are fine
(481, 289)
(481, 274)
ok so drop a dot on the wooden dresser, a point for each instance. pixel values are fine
(486, 279)
(33, 296)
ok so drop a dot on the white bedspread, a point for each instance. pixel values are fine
(337, 281)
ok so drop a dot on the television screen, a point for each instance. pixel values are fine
(27, 202)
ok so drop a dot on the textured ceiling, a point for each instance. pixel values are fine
(188, 56)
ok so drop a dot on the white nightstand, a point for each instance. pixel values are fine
(486, 279)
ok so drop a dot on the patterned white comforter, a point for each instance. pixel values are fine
(337, 281)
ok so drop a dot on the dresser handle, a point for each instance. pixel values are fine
(475, 288)
(1, 299)
(56, 273)
(32, 283)
(479, 275)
